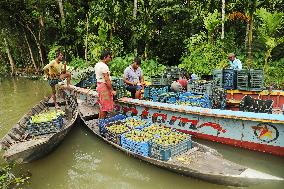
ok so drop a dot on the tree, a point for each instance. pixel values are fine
(269, 27)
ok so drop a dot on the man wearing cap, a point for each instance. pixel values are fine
(235, 63)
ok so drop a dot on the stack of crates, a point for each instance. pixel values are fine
(89, 81)
(229, 79)
(172, 74)
(120, 87)
(218, 78)
(152, 92)
(200, 87)
(256, 80)
(243, 80)
(159, 80)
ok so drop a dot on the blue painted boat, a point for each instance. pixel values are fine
(255, 131)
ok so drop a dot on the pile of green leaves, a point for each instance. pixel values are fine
(12, 178)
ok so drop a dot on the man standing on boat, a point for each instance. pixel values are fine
(104, 87)
(235, 63)
(133, 77)
(56, 72)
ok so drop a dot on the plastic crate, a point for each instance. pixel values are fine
(243, 80)
(200, 88)
(256, 80)
(164, 153)
(159, 81)
(103, 122)
(218, 77)
(141, 148)
(229, 79)
(45, 127)
(114, 137)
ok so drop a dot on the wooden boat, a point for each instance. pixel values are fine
(255, 131)
(19, 146)
(200, 162)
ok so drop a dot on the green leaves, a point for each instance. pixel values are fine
(10, 178)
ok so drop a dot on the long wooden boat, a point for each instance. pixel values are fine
(200, 162)
(19, 146)
(255, 131)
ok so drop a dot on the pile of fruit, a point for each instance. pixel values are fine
(157, 130)
(138, 136)
(45, 123)
(173, 138)
(46, 116)
(135, 123)
(117, 128)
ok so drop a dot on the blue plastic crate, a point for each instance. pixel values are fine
(103, 122)
(141, 148)
(229, 79)
(164, 153)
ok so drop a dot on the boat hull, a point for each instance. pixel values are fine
(254, 134)
(254, 131)
(21, 150)
(205, 163)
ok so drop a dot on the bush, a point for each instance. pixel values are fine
(11, 178)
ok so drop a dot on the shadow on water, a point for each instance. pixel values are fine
(83, 161)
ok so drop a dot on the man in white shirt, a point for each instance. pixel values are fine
(235, 63)
(104, 87)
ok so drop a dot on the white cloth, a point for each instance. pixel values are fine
(236, 64)
(100, 69)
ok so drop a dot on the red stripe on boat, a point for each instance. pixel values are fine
(276, 150)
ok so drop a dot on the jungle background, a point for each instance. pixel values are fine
(194, 35)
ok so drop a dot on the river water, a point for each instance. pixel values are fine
(82, 161)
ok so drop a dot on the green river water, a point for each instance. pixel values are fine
(82, 161)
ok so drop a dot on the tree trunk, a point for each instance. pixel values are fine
(146, 50)
(223, 20)
(38, 44)
(11, 60)
(246, 38)
(135, 9)
(86, 40)
(250, 41)
(31, 54)
(134, 16)
(61, 10)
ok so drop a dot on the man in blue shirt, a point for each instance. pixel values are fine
(235, 63)
(133, 77)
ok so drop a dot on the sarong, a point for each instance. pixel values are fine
(105, 97)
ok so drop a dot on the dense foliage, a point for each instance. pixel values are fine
(168, 32)
(10, 177)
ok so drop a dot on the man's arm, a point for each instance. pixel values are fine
(46, 68)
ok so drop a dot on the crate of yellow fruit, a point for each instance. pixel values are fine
(114, 130)
(167, 146)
